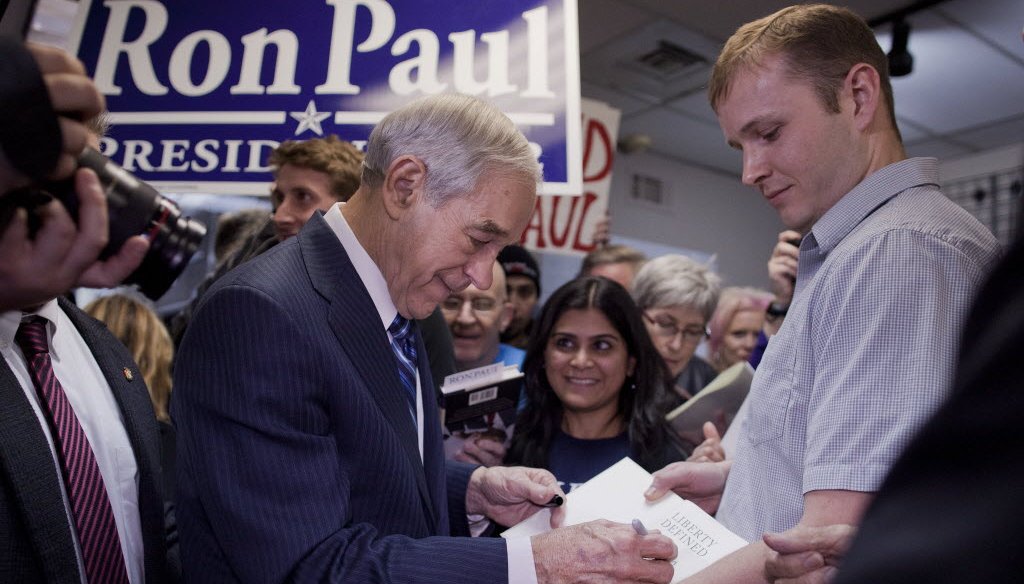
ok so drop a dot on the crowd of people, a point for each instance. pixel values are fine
(300, 438)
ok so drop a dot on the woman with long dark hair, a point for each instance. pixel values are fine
(595, 386)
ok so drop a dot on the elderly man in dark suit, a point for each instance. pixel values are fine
(310, 444)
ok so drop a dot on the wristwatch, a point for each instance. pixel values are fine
(776, 309)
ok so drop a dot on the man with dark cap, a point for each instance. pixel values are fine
(522, 277)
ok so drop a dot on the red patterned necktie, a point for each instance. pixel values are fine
(90, 506)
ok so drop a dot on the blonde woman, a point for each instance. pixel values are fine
(145, 335)
(737, 322)
(147, 339)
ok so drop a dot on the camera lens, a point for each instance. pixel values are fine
(136, 208)
(173, 241)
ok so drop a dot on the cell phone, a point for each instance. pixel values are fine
(793, 241)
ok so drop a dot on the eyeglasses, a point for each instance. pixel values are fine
(669, 329)
(480, 304)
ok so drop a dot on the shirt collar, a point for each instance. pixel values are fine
(369, 273)
(11, 320)
(872, 192)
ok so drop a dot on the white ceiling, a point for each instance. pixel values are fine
(965, 95)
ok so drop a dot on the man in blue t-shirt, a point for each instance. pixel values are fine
(476, 319)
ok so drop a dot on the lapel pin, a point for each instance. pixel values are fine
(128, 374)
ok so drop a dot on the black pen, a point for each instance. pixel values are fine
(555, 501)
(638, 526)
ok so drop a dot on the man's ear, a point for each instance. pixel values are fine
(505, 318)
(864, 85)
(403, 184)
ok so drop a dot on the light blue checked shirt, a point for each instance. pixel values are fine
(867, 351)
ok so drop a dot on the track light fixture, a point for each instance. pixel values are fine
(901, 62)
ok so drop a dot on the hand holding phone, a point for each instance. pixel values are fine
(782, 266)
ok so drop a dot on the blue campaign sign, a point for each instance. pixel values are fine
(201, 91)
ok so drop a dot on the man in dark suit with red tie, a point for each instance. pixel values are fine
(79, 454)
(309, 438)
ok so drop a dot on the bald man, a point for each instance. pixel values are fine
(476, 319)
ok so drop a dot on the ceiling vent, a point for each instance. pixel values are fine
(655, 64)
(669, 60)
(648, 189)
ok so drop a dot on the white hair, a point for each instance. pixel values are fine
(457, 137)
(675, 280)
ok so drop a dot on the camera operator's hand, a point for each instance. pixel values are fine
(74, 97)
(62, 255)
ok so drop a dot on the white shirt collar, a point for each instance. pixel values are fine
(377, 287)
(11, 320)
(369, 273)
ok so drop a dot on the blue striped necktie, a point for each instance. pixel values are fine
(403, 343)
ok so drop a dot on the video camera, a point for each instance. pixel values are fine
(134, 207)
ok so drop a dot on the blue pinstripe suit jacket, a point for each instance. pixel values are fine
(297, 459)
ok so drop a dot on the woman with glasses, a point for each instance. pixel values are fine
(678, 296)
(595, 386)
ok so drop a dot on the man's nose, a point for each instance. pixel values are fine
(480, 269)
(466, 314)
(754, 168)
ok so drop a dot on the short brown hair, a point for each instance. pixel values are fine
(99, 124)
(612, 254)
(819, 43)
(338, 159)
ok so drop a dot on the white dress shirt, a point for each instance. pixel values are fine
(374, 283)
(93, 401)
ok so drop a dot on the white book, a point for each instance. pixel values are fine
(617, 494)
(474, 378)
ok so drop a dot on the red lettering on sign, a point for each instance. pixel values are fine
(536, 224)
(556, 239)
(596, 131)
(588, 200)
